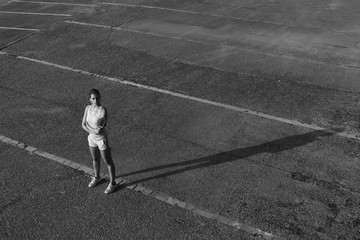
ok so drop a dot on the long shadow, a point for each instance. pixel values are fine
(275, 146)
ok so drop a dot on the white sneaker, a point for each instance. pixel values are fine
(94, 182)
(110, 188)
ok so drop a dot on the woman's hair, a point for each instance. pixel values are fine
(94, 91)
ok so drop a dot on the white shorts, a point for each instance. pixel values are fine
(98, 141)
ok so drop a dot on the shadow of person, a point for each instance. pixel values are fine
(275, 146)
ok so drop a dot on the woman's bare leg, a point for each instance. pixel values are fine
(95, 154)
(106, 155)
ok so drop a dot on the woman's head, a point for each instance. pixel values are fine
(94, 91)
(94, 95)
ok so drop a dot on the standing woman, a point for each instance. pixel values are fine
(94, 122)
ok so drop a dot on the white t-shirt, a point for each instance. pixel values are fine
(95, 118)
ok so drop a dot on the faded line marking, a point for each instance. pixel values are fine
(141, 32)
(21, 29)
(19, 39)
(216, 45)
(56, 3)
(146, 191)
(6, 3)
(214, 15)
(188, 97)
(197, 13)
(40, 14)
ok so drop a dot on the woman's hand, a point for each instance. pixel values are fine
(93, 130)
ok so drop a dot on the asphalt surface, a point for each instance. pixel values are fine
(45, 200)
(91, 49)
(292, 181)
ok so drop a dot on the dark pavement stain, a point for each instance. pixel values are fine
(332, 186)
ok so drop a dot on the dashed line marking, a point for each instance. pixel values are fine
(56, 3)
(21, 29)
(40, 14)
(188, 97)
(290, 57)
(146, 191)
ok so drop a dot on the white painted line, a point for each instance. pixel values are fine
(192, 98)
(219, 45)
(197, 13)
(21, 29)
(56, 3)
(40, 14)
(146, 191)
(94, 25)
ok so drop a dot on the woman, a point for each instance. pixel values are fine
(94, 122)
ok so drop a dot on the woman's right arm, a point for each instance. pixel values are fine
(83, 124)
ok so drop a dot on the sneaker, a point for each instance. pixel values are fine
(94, 181)
(110, 188)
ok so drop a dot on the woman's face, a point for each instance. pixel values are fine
(95, 99)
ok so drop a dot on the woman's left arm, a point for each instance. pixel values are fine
(103, 119)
